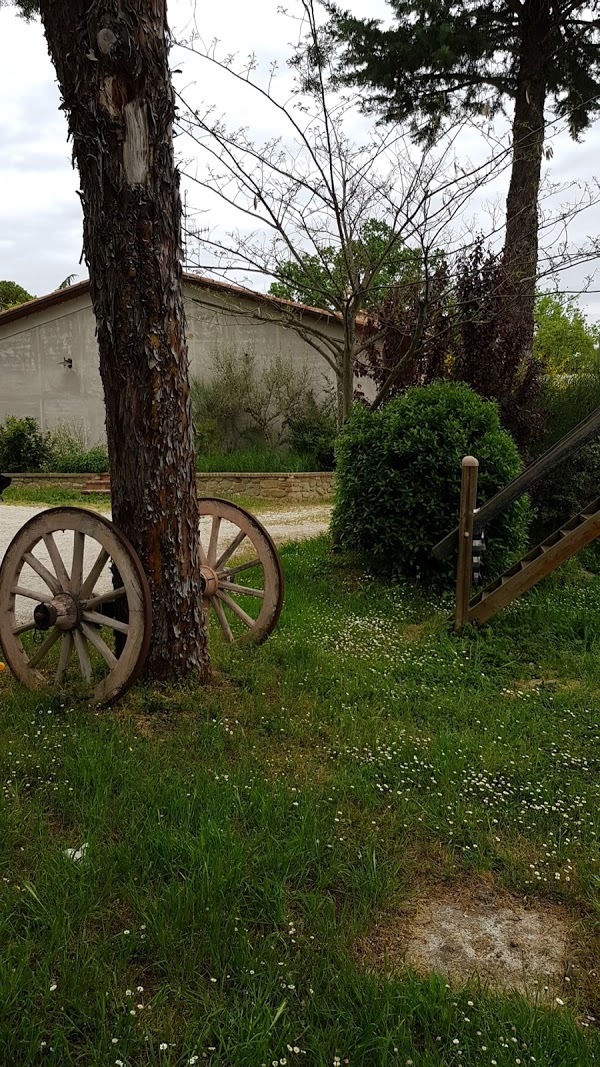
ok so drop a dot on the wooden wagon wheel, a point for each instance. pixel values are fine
(241, 572)
(57, 600)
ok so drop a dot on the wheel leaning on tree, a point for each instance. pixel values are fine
(75, 604)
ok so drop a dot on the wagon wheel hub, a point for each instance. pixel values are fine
(210, 581)
(64, 611)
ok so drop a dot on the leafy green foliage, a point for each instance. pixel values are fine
(65, 450)
(567, 399)
(398, 480)
(245, 403)
(564, 340)
(313, 432)
(12, 294)
(22, 446)
(254, 459)
(322, 280)
(566, 490)
(69, 451)
(441, 58)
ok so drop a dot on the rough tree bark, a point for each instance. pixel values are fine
(111, 59)
(521, 239)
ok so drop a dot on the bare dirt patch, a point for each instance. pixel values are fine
(476, 931)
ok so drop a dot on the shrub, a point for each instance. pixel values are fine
(250, 405)
(22, 446)
(398, 480)
(313, 433)
(566, 490)
(68, 451)
(256, 458)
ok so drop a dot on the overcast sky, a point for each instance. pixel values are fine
(40, 215)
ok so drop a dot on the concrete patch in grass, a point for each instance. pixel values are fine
(477, 932)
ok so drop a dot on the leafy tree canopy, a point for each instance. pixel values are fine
(564, 339)
(323, 280)
(442, 57)
(12, 294)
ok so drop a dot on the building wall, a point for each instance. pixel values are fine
(34, 379)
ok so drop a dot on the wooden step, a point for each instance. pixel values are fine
(98, 483)
(580, 531)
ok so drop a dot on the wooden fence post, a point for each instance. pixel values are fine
(468, 503)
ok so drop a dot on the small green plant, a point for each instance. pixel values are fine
(268, 406)
(69, 452)
(256, 458)
(312, 432)
(398, 479)
(22, 446)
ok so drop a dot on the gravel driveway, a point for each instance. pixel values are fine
(296, 524)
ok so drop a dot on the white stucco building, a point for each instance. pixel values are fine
(49, 353)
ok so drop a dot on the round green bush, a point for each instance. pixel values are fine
(398, 480)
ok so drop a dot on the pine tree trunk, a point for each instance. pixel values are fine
(111, 58)
(521, 242)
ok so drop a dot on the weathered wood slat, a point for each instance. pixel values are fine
(539, 562)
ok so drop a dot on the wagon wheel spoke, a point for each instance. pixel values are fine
(96, 571)
(94, 639)
(245, 589)
(223, 621)
(43, 572)
(23, 628)
(228, 572)
(21, 590)
(77, 565)
(228, 553)
(201, 549)
(105, 620)
(63, 660)
(236, 609)
(104, 598)
(82, 655)
(57, 562)
(44, 649)
(214, 540)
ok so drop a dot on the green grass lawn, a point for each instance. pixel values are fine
(243, 839)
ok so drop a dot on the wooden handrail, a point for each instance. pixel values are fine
(558, 453)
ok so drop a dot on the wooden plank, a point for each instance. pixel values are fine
(464, 570)
(582, 433)
(549, 558)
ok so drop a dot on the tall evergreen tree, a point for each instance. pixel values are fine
(442, 58)
(112, 65)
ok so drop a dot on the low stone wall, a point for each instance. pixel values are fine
(292, 487)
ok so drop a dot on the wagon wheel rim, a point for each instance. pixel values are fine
(236, 547)
(59, 590)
